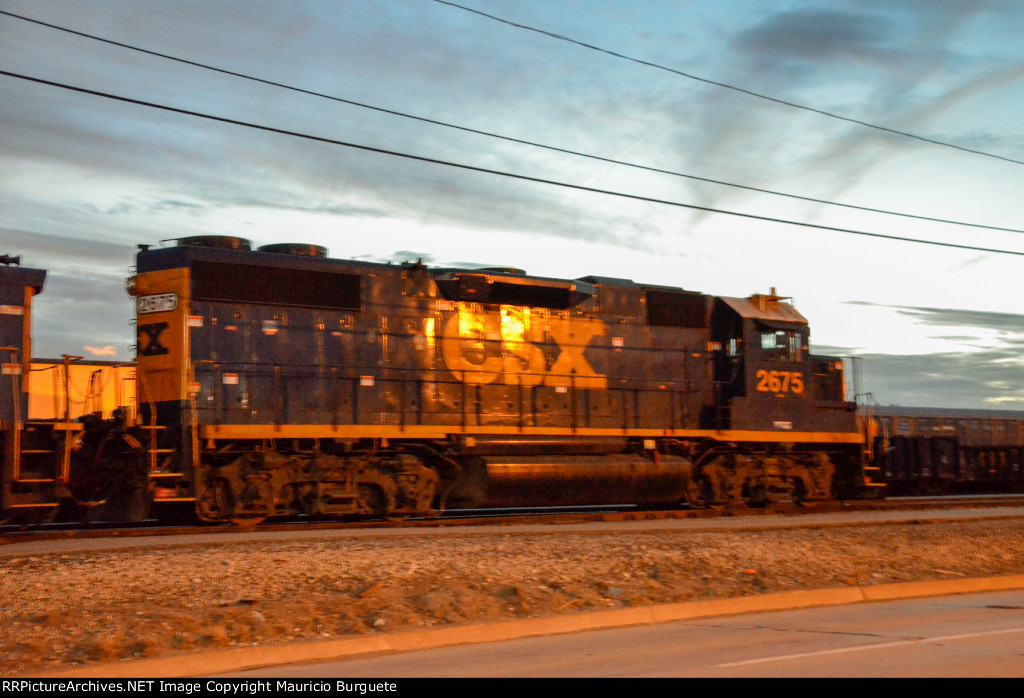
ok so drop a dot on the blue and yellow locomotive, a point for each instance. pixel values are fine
(281, 382)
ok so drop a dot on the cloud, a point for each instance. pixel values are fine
(400, 256)
(902, 65)
(798, 42)
(47, 250)
(108, 350)
(987, 370)
(415, 66)
(975, 380)
(1010, 323)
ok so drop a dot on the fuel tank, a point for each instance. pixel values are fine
(521, 481)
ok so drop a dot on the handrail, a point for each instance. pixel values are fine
(630, 394)
(16, 402)
(65, 461)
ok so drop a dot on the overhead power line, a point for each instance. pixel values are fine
(510, 139)
(727, 86)
(500, 173)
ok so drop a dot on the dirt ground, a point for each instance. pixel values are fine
(68, 610)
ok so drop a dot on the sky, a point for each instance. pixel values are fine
(84, 179)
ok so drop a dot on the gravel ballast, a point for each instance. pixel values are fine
(64, 610)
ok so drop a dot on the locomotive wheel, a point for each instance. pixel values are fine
(374, 499)
(130, 506)
(693, 495)
(111, 477)
(721, 483)
(131, 500)
(799, 492)
(224, 500)
(757, 496)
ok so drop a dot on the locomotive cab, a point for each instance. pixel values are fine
(765, 376)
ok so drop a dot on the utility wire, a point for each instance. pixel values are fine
(727, 86)
(500, 173)
(503, 137)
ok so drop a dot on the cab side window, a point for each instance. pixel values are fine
(781, 345)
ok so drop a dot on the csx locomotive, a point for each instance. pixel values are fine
(280, 382)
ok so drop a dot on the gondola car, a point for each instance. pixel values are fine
(923, 450)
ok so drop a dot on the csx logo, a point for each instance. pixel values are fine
(149, 343)
(507, 348)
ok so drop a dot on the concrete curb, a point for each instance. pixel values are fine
(238, 659)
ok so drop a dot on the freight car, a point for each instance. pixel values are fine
(919, 450)
(43, 403)
(281, 382)
(22, 487)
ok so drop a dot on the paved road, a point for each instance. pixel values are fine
(975, 635)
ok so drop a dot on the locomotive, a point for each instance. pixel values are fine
(278, 381)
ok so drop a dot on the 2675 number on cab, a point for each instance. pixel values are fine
(780, 381)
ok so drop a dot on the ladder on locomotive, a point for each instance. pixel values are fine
(867, 415)
(155, 447)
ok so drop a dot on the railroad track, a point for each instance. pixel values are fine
(470, 517)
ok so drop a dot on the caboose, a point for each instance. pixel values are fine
(281, 382)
